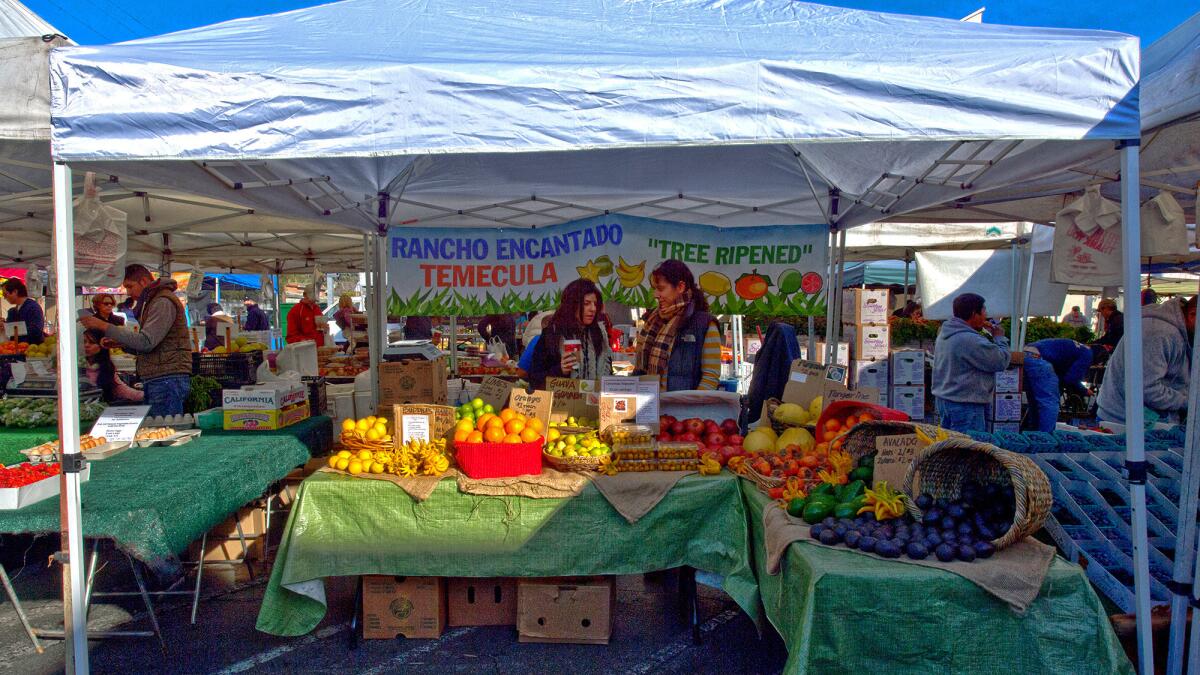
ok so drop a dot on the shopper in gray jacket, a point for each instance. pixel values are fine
(965, 364)
(1166, 357)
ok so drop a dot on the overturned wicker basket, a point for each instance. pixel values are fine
(942, 468)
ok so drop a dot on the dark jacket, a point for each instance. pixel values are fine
(1114, 328)
(256, 319)
(772, 365)
(684, 365)
(35, 321)
(547, 358)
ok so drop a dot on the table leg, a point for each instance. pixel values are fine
(137, 576)
(12, 597)
(199, 576)
(91, 578)
(354, 620)
(691, 600)
(245, 549)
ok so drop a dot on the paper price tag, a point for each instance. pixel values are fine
(647, 403)
(414, 427)
(120, 424)
(894, 454)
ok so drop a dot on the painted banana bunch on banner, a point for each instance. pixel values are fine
(774, 270)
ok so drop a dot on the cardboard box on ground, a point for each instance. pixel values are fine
(565, 610)
(414, 607)
(481, 602)
(223, 544)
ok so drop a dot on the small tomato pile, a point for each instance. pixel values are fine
(27, 474)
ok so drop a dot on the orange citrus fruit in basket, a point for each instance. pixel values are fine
(493, 435)
(512, 438)
(483, 420)
(514, 426)
(535, 424)
(529, 435)
(519, 416)
(475, 437)
(494, 423)
(465, 425)
(461, 435)
(507, 414)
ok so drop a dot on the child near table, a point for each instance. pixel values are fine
(99, 370)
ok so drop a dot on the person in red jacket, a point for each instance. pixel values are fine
(302, 320)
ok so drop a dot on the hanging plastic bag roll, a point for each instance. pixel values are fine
(100, 238)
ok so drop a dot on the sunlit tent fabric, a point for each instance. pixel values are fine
(454, 105)
(16, 20)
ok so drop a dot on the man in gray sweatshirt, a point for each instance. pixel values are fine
(965, 364)
(1167, 331)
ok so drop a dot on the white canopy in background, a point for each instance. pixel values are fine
(1170, 149)
(456, 105)
(16, 20)
(165, 224)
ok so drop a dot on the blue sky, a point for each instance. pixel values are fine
(94, 22)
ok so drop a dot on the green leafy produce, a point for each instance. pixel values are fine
(200, 398)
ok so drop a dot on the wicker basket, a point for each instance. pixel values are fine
(941, 469)
(780, 427)
(764, 483)
(860, 440)
(588, 463)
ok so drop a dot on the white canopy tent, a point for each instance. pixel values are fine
(464, 112)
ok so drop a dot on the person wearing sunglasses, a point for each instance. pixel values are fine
(103, 306)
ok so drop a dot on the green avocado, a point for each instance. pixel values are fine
(795, 508)
(862, 473)
(818, 510)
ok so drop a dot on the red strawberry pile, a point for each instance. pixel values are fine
(722, 440)
(27, 474)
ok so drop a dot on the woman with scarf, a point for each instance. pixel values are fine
(580, 317)
(679, 341)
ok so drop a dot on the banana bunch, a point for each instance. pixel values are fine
(630, 275)
(426, 458)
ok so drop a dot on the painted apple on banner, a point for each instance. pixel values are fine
(774, 270)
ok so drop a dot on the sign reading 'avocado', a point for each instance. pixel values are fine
(775, 270)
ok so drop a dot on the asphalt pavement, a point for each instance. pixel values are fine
(650, 634)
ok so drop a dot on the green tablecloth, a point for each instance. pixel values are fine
(317, 436)
(345, 526)
(154, 501)
(843, 612)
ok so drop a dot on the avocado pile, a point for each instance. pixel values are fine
(960, 529)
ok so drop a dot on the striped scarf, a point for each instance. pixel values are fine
(657, 337)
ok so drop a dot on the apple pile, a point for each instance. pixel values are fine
(723, 440)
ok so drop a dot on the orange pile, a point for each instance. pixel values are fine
(509, 426)
(13, 347)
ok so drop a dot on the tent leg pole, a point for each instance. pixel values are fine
(1134, 420)
(831, 297)
(454, 345)
(1026, 292)
(277, 298)
(74, 605)
(1185, 533)
(373, 318)
(907, 257)
(812, 339)
(837, 305)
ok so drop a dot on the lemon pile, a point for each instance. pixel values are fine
(371, 429)
(414, 458)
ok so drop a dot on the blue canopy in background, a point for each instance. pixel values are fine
(250, 282)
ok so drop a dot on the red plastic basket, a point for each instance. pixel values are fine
(499, 460)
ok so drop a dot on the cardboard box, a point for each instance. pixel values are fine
(841, 358)
(565, 610)
(265, 420)
(275, 396)
(870, 374)
(1008, 381)
(414, 607)
(364, 404)
(223, 543)
(868, 341)
(866, 305)
(1007, 408)
(908, 367)
(751, 346)
(909, 400)
(413, 381)
(481, 602)
(808, 380)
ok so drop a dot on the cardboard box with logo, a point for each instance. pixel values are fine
(809, 379)
(871, 375)
(908, 367)
(566, 610)
(866, 305)
(909, 400)
(413, 373)
(414, 607)
(481, 602)
(868, 342)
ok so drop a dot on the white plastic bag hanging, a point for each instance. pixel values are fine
(1087, 241)
(100, 239)
(1164, 227)
(496, 348)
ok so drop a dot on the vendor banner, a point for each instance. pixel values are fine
(775, 270)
